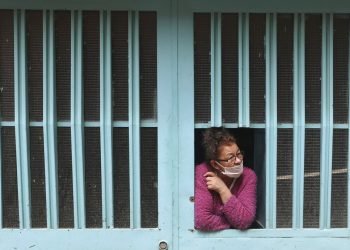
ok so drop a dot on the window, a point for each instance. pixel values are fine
(284, 77)
(78, 110)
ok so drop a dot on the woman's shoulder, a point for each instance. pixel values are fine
(249, 172)
(202, 167)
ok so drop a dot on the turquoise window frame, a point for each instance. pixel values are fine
(166, 77)
(176, 95)
(186, 105)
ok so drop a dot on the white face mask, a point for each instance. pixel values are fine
(232, 172)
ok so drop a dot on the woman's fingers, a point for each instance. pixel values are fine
(209, 174)
(212, 180)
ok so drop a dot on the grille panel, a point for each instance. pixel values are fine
(10, 215)
(285, 178)
(6, 66)
(229, 67)
(34, 28)
(312, 178)
(202, 67)
(257, 66)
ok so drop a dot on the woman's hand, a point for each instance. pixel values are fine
(216, 184)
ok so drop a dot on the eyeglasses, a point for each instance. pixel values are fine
(233, 158)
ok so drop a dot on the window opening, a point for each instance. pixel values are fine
(252, 143)
(223, 91)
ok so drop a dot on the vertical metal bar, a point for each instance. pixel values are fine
(326, 120)
(243, 70)
(106, 119)
(77, 128)
(49, 120)
(298, 119)
(271, 118)
(1, 157)
(21, 120)
(175, 135)
(215, 74)
(134, 121)
(166, 104)
(348, 165)
(185, 112)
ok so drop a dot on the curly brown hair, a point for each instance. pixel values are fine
(213, 138)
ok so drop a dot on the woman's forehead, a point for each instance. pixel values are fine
(228, 148)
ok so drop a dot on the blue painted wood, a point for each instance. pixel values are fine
(186, 126)
(275, 233)
(148, 239)
(134, 121)
(326, 121)
(271, 119)
(243, 70)
(254, 6)
(1, 170)
(189, 238)
(138, 5)
(267, 243)
(175, 132)
(167, 123)
(215, 74)
(49, 121)
(21, 120)
(298, 119)
(348, 165)
(88, 239)
(106, 120)
(77, 128)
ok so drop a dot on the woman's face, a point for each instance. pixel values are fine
(229, 155)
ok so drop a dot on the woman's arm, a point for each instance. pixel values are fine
(206, 218)
(240, 210)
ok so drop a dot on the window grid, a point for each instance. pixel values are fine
(82, 118)
(26, 121)
(308, 50)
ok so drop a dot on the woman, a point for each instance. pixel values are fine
(225, 191)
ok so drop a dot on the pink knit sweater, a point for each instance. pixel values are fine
(238, 212)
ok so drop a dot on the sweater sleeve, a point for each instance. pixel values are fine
(240, 210)
(206, 218)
